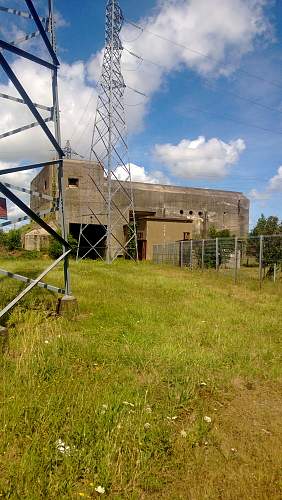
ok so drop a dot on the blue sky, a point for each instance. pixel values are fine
(187, 99)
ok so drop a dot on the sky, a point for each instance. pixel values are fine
(211, 75)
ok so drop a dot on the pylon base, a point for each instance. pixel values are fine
(67, 306)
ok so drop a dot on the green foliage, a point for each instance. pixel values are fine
(56, 248)
(11, 240)
(2, 238)
(272, 247)
(267, 226)
(215, 233)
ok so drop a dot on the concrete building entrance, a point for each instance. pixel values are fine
(93, 233)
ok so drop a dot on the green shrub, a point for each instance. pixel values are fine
(56, 248)
(12, 240)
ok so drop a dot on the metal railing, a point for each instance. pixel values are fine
(259, 257)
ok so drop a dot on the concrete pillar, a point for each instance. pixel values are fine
(67, 307)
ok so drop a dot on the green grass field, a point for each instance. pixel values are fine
(166, 385)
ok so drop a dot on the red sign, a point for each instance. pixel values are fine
(3, 208)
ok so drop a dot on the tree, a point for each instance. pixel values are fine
(267, 226)
(272, 247)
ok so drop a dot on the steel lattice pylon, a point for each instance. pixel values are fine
(109, 149)
(46, 34)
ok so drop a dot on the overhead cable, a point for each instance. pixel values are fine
(202, 54)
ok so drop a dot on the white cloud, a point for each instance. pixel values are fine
(74, 96)
(60, 21)
(21, 179)
(200, 158)
(224, 31)
(138, 174)
(258, 195)
(275, 183)
(273, 186)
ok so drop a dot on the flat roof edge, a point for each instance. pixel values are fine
(187, 187)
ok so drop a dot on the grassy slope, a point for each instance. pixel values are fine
(165, 332)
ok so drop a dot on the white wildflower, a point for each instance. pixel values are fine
(147, 426)
(207, 419)
(172, 419)
(104, 409)
(148, 409)
(183, 434)
(62, 447)
(128, 404)
(100, 489)
(233, 450)
(46, 341)
(203, 384)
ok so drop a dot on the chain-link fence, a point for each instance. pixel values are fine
(258, 257)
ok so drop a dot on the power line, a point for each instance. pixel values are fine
(136, 91)
(202, 54)
(265, 129)
(234, 94)
(82, 115)
(228, 118)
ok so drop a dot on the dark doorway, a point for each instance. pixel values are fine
(142, 247)
(94, 233)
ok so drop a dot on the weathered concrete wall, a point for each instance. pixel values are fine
(42, 183)
(78, 200)
(224, 209)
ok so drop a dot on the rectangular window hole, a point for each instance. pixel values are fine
(73, 182)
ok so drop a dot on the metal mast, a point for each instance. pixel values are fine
(46, 34)
(109, 149)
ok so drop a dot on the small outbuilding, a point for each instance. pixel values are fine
(37, 239)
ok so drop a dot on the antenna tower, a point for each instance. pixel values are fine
(109, 149)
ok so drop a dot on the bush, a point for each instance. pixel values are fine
(12, 239)
(56, 248)
(2, 239)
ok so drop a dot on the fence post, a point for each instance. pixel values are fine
(203, 254)
(260, 260)
(236, 260)
(181, 253)
(216, 255)
(191, 254)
